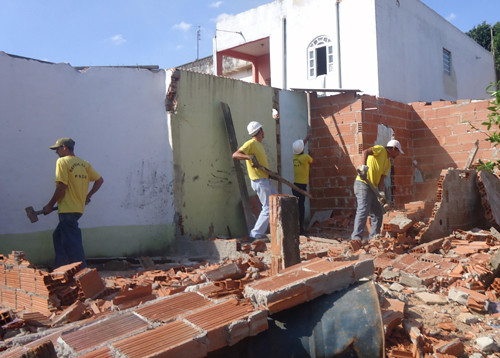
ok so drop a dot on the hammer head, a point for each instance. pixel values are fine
(32, 215)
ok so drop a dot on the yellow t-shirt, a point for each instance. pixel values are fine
(378, 164)
(301, 163)
(76, 173)
(256, 148)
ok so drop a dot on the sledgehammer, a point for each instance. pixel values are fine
(33, 215)
(380, 198)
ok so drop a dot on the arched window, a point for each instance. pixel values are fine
(319, 57)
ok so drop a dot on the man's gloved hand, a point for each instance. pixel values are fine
(255, 162)
(363, 169)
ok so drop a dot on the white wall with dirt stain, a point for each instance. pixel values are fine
(118, 119)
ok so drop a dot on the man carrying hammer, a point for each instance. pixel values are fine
(261, 184)
(375, 167)
(73, 176)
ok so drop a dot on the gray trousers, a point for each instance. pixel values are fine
(368, 205)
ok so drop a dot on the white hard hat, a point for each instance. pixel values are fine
(253, 128)
(298, 146)
(393, 143)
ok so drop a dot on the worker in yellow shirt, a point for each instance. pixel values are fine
(259, 179)
(376, 166)
(301, 164)
(73, 176)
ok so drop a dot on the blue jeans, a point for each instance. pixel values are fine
(264, 189)
(368, 205)
(67, 238)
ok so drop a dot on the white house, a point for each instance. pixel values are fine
(398, 49)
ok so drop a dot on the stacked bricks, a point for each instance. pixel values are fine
(334, 143)
(24, 288)
(444, 135)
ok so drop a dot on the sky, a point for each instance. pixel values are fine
(151, 32)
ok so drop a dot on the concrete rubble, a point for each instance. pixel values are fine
(439, 290)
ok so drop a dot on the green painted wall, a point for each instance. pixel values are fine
(206, 189)
(133, 241)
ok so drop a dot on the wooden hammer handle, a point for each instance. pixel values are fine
(277, 177)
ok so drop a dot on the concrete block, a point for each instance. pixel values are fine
(458, 296)
(363, 269)
(468, 318)
(486, 345)
(388, 274)
(411, 280)
(400, 223)
(431, 298)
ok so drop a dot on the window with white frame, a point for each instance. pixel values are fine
(446, 61)
(319, 57)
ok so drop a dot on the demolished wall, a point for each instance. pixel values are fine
(458, 204)
(434, 136)
(443, 137)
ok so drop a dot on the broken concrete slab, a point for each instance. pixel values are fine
(304, 282)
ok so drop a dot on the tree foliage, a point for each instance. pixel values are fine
(492, 125)
(482, 35)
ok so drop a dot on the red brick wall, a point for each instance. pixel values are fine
(443, 137)
(333, 144)
(435, 135)
(396, 116)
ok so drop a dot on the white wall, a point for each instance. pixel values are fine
(388, 50)
(118, 119)
(410, 40)
(305, 20)
(293, 126)
(358, 39)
